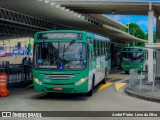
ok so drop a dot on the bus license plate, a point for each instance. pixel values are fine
(57, 88)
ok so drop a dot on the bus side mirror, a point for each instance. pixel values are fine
(91, 47)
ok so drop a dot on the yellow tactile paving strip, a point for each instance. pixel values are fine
(119, 85)
(102, 86)
(116, 84)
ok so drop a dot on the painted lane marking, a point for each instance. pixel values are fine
(119, 85)
(114, 76)
(102, 86)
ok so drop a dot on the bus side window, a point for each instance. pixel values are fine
(100, 47)
(146, 54)
(94, 45)
(89, 42)
(104, 47)
(102, 52)
(92, 42)
(109, 45)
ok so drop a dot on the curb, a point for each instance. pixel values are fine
(142, 96)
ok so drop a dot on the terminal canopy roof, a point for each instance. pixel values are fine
(51, 11)
(126, 7)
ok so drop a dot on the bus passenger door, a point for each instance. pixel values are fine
(91, 65)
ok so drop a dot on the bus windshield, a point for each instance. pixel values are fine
(132, 56)
(60, 55)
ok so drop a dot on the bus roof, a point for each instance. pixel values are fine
(89, 34)
(97, 36)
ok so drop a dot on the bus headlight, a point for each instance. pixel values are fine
(37, 81)
(81, 81)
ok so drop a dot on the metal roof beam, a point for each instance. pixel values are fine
(26, 20)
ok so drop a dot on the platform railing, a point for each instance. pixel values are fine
(17, 76)
(139, 83)
(133, 78)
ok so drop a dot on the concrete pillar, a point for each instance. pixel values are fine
(158, 52)
(158, 30)
(150, 41)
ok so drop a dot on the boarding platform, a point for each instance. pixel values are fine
(140, 87)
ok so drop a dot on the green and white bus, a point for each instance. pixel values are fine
(69, 61)
(135, 57)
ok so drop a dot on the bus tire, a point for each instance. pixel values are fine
(126, 72)
(105, 78)
(90, 93)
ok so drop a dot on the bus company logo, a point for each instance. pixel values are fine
(6, 114)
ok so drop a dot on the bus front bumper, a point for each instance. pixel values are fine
(72, 88)
(127, 68)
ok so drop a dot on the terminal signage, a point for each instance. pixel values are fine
(51, 36)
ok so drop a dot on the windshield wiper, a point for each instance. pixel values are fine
(65, 48)
(73, 41)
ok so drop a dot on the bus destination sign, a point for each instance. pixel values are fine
(132, 49)
(49, 36)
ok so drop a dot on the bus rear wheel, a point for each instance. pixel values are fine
(126, 72)
(105, 78)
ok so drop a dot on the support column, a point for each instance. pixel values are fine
(158, 30)
(150, 41)
(158, 52)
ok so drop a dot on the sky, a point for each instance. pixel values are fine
(142, 21)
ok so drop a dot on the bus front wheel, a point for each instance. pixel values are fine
(49, 94)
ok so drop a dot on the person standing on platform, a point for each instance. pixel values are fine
(29, 59)
(23, 60)
(26, 67)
